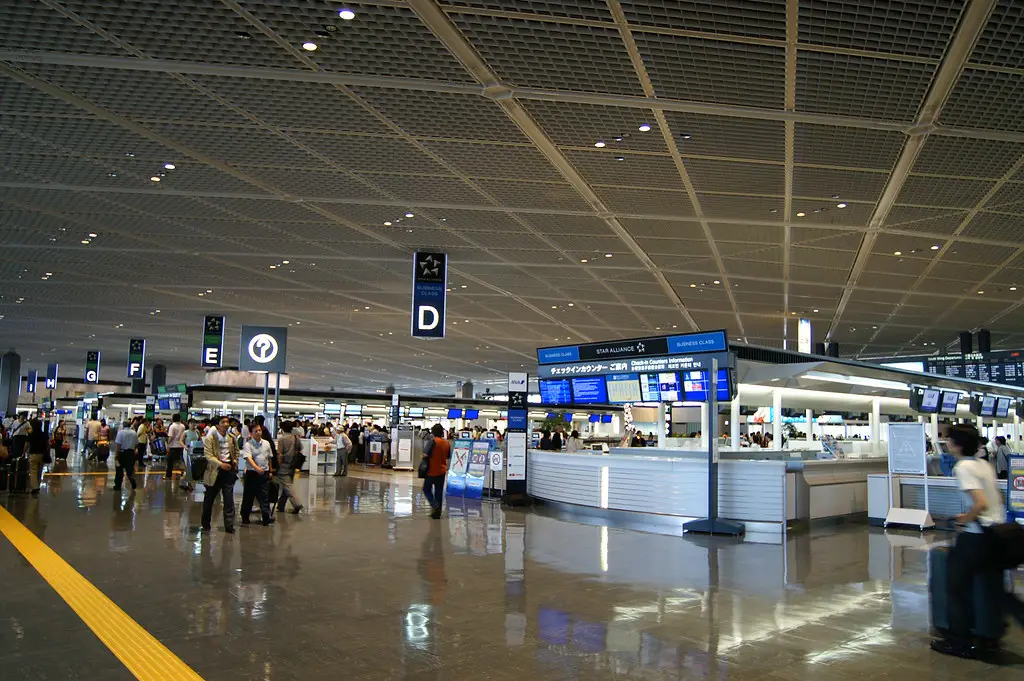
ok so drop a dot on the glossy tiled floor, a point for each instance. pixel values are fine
(365, 586)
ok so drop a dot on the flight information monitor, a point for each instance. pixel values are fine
(472, 414)
(455, 413)
(416, 412)
(950, 401)
(595, 418)
(606, 418)
(1002, 407)
(624, 388)
(988, 405)
(661, 387)
(589, 390)
(555, 391)
(930, 400)
(695, 386)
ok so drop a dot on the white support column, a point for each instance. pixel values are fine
(704, 423)
(980, 423)
(734, 422)
(810, 426)
(777, 419)
(661, 427)
(876, 422)
(933, 427)
(1016, 431)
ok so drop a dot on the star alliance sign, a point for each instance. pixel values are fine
(429, 289)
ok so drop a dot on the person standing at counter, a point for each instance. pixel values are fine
(1003, 454)
(545, 441)
(573, 443)
(556, 439)
(342, 447)
(437, 450)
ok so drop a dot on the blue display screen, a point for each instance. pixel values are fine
(472, 413)
(555, 391)
(695, 386)
(624, 388)
(568, 418)
(589, 390)
(606, 418)
(595, 418)
(455, 413)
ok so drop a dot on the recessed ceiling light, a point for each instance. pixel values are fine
(800, 215)
(620, 158)
(209, 291)
(935, 247)
(693, 286)
(554, 307)
(618, 138)
(366, 307)
(285, 262)
(85, 241)
(387, 223)
(346, 14)
(572, 304)
(840, 205)
(686, 135)
(309, 47)
(599, 144)
(583, 260)
(644, 127)
(92, 235)
(897, 252)
(607, 255)
(980, 292)
(273, 267)
(155, 178)
(49, 274)
(1012, 288)
(168, 166)
(202, 294)
(717, 281)
(410, 215)
(835, 196)
(463, 286)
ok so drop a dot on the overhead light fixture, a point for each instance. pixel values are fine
(644, 127)
(897, 252)
(410, 215)
(168, 166)
(686, 135)
(85, 241)
(693, 286)
(583, 260)
(387, 223)
(273, 267)
(599, 144)
(93, 235)
(840, 205)
(935, 247)
(980, 292)
(285, 262)
(309, 47)
(155, 178)
(620, 158)
(814, 310)
(800, 215)
(717, 281)
(1012, 288)
(607, 255)
(346, 14)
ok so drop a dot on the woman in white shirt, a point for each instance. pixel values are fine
(572, 444)
(256, 483)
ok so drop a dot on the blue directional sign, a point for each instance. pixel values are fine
(684, 344)
(51, 376)
(33, 379)
(429, 290)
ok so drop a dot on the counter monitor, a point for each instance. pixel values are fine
(988, 405)
(695, 386)
(490, 435)
(568, 418)
(623, 388)
(416, 412)
(950, 401)
(353, 410)
(595, 418)
(606, 418)
(472, 414)
(555, 391)
(455, 413)
(930, 400)
(589, 390)
(1002, 407)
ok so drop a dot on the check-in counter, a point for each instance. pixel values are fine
(671, 486)
(945, 500)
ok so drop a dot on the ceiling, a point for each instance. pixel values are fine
(481, 119)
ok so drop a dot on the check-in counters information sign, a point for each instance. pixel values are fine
(639, 355)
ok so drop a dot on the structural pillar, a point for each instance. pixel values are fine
(933, 427)
(777, 419)
(876, 421)
(734, 421)
(1015, 433)
(810, 426)
(10, 382)
(662, 434)
(705, 425)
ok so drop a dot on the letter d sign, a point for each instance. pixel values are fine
(429, 282)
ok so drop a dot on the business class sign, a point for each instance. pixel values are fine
(637, 355)
(429, 291)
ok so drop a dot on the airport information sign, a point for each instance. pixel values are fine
(429, 291)
(51, 376)
(92, 367)
(32, 379)
(213, 342)
(634, 365)
(1005, 367)
(263, 348)
(685, 344)
(137, 358)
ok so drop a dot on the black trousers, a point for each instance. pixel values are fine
(433, 489)
(141, 451)
(175, 456)
(970, 555)
(255, 486)
(125, 466)
(225, 486)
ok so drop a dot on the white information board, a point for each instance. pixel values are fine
(516, 444)
(907, 451)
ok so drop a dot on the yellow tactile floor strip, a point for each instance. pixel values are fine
(144, 656)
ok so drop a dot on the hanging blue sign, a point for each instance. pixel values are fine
(429, 290)
(51, 376)
(684, 344)
(33, 378)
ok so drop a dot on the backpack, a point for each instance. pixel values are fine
(1007, 542)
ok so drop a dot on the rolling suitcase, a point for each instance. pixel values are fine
(19, 475)
(989, 609)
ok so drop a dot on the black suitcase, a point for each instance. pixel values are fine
(19, 475)
(4, 477)
(988, 597)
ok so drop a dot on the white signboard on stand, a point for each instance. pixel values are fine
(516, 456)
(908, 456)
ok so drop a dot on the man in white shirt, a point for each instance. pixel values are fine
(343, 447)
(124, 455)
(971, 555)
(175, 445)
(92, 436)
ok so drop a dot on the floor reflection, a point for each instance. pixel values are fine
(365, 584)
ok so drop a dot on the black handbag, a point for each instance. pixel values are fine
(1007, 542)
(424, 466)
